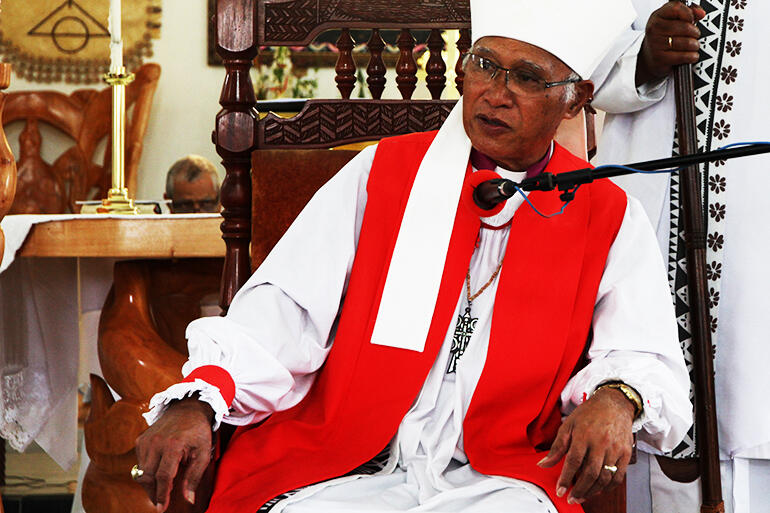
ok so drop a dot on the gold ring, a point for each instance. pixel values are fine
(670, 42)
(136, 472)
(611, 468)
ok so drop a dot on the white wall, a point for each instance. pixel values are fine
(186, 101)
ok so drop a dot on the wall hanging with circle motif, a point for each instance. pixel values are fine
(55, 40)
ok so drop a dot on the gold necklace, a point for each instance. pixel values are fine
(465, 322)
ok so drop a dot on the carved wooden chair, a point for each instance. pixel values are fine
(84, 117)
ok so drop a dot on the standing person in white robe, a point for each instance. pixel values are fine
(731, 80)
(283, 337)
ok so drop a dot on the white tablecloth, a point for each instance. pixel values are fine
(49, 310)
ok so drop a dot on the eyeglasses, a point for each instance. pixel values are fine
(519, 80)
(186, 206)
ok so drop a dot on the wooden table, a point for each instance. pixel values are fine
(127, 238)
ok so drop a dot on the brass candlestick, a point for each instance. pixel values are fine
(117, 201)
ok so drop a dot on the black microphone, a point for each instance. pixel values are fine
(487, 195)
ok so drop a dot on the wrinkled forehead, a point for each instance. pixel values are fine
(509, 52)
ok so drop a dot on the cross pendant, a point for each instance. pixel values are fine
(463, 331)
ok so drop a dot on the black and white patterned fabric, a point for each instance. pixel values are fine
(713, 78)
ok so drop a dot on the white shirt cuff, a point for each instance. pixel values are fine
(206, 392)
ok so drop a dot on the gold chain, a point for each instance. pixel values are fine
(484, 287)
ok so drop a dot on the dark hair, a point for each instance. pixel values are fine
(189, 169)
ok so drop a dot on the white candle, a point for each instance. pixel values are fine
(116, 42)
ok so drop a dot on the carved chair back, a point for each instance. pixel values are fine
(84, 117)
(245, 26)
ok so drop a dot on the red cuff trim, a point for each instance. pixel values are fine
(215, 376)
(471, 182)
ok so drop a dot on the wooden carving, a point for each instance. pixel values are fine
(85, 117)
(7, 163)
(297, 22)
(38, 189)
(328, 123)
(141, 351)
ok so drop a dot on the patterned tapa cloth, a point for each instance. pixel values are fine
(53, 40)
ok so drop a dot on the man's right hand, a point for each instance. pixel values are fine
(180, 439)
(671, 39)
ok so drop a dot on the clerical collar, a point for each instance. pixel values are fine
(482, 161)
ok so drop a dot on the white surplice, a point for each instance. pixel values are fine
(280, 326)
(732, 107)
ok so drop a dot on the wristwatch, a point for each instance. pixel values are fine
(631, 394)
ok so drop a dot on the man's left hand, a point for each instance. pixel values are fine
(596, 434)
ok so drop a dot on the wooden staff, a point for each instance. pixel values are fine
(692, 211)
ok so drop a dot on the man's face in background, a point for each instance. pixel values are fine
(196, 196)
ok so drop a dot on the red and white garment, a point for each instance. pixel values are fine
(280, 326)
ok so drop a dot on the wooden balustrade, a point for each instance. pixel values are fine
(406, 67)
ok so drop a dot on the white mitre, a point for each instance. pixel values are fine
(579, 32)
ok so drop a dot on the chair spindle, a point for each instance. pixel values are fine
(346, 67)
(376, 69)
(436, 67)
(463, 45)
(406, 67)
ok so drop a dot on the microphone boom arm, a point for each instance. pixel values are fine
(490, 193)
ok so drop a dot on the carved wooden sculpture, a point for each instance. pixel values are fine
(7, 190)
(7, 163)
(84, 116)
(141, 350)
